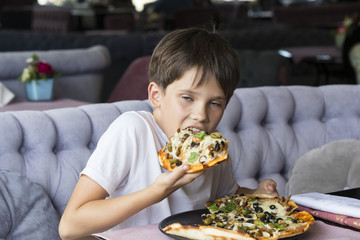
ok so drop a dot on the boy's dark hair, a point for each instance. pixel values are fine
(181, 50)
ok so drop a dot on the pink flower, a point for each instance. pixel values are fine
(44, 68)
(341, 29)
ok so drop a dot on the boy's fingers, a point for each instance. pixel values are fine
(180, 175)
(179, 172)
(271, 186)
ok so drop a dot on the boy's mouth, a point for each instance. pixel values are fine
(197, 127)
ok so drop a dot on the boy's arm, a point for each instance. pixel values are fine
(89, 212)
(266, 186)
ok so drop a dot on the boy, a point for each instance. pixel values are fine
(193, 74)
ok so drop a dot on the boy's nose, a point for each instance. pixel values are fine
(200, 113)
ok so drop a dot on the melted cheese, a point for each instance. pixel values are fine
(278, 210)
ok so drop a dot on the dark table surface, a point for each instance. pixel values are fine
(353, 193)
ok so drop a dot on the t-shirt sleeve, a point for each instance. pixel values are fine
(116, 152)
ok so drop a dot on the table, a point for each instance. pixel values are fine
(323, 58)
(92, 18)
(299, 54)
(19, 104)
(320, 229)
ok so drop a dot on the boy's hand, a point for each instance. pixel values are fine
(169, 182)
(267, 186)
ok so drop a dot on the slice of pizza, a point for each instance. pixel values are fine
(261, 216)
(194, 147)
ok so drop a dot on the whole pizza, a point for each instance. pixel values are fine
(199, 149)
(249, 216)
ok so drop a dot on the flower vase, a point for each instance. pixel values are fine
(339, 40)
(40, 90)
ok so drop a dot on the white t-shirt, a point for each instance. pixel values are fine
(125, 161)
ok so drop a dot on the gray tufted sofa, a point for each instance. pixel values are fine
(269, 128)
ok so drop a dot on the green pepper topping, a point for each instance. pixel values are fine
(193, 157)
(201, 135)
(213, 208)
(208, 221)
(279, 226)
(229, 207)
(259, 223)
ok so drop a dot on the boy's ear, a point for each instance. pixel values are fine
(154, 93)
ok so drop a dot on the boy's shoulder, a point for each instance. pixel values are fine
(136, 115)
(136, 125)
(137, 119)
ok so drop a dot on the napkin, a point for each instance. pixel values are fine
(338, 209)
(5, 95)
(329, 203)
(332, 217)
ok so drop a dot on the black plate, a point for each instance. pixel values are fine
(190, 218)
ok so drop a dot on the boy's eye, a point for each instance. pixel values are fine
(217, 104)
(188, 98)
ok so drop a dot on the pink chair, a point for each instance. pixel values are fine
(134, 83)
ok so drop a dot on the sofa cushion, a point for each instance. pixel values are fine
(332, 167)
(26, 211)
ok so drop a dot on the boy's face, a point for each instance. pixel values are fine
(184, 104)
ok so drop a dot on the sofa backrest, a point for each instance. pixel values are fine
(269, 128)
(81, 71)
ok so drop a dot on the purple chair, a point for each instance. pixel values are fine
(134, 83)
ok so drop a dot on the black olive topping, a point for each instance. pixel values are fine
(258, 209)
(217, 146)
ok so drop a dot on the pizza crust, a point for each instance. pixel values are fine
(199, 232)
